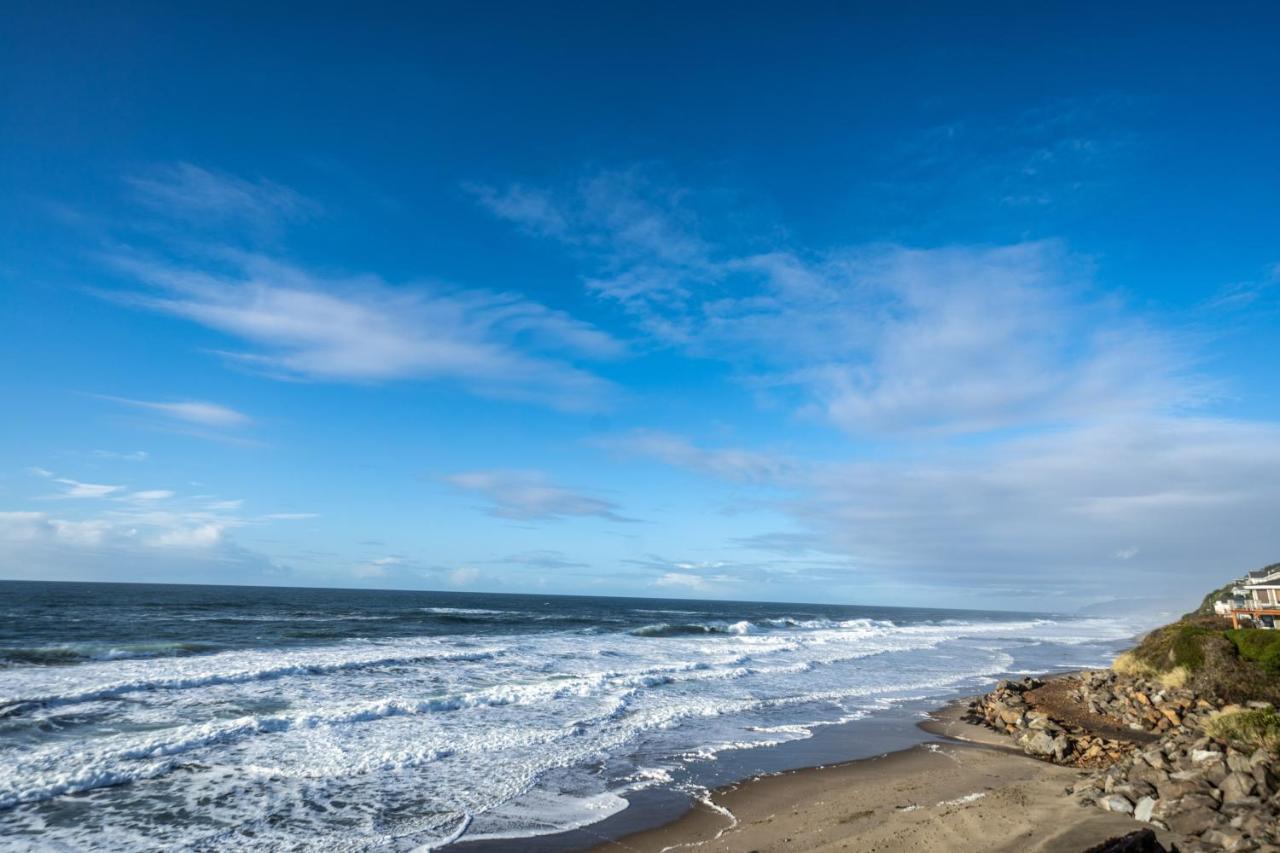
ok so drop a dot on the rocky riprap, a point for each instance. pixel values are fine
(1012, 708)
(1151, 755)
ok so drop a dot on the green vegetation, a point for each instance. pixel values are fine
(1202, 653)
(1206, 606)
(1177, 645)
(1261, 647)
(1249, 729)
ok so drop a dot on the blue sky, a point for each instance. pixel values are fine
(889, 305)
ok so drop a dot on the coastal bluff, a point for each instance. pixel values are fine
(1181, 734)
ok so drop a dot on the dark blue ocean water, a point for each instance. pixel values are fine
(155, 717)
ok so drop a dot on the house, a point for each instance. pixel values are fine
(1256, 598)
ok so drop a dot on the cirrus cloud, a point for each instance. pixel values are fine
(529, 495)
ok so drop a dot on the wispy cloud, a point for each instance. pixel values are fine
(302, 325)
(147, 495)
(682, 580)
(636, 237)
(192, 193)
(879, 338)
(379, 568)
(121, 455)
(1050, 156)
(190, 411)
(729, 463)
(76, 489)
(152, 534)
(1242, 295)
(1159, 502)
(529, 495)
(545, 560)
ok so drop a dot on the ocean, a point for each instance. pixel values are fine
(155, 717)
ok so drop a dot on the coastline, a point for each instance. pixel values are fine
(966, 789)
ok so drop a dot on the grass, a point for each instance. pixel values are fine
(1176, 645)
(1175, 678)
(1248, 729)
(1127, 663)
(1261, 647)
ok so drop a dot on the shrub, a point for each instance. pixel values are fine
(1262, 647)
(1230, 678)
(1249, 729)
(1177, 645)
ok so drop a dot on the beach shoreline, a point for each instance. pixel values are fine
(966, 788)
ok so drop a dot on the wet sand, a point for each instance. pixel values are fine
(968, 790)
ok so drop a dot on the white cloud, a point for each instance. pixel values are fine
(191, 411)
(198, 195)
(729, 463)
(149, 495)
(379, 568)
(637, 237)
(968, 340)
(1184, 503)
(41, 546)
(122, 456)
(464, 577)
(200, 536)
(301, 325)
(127, 525)
(531, 495)
(682, 580)
(545, 560)
(1157, 505)
(76, 489)
(876, 339)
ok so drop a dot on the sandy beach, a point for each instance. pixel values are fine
(966, 790)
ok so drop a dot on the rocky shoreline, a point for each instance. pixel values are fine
(1152, 755)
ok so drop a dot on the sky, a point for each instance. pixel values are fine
(885, 303)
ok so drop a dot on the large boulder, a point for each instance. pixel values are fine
(1037, 743)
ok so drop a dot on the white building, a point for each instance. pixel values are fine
(1257, 598)
(1262, 588)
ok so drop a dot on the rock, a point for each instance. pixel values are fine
(1143, 809)
(1145, 773)
(1116, 803)
(1172, 789)
(1197, 801)
(1191, 821)
(1037, 743)
(1236, 786)
(1156, 759)
(1265, 778)
(1199, 756)
(1239, 763)
(1225, 840)
(1214, 771)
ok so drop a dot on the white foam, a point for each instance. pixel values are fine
(418, 740)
